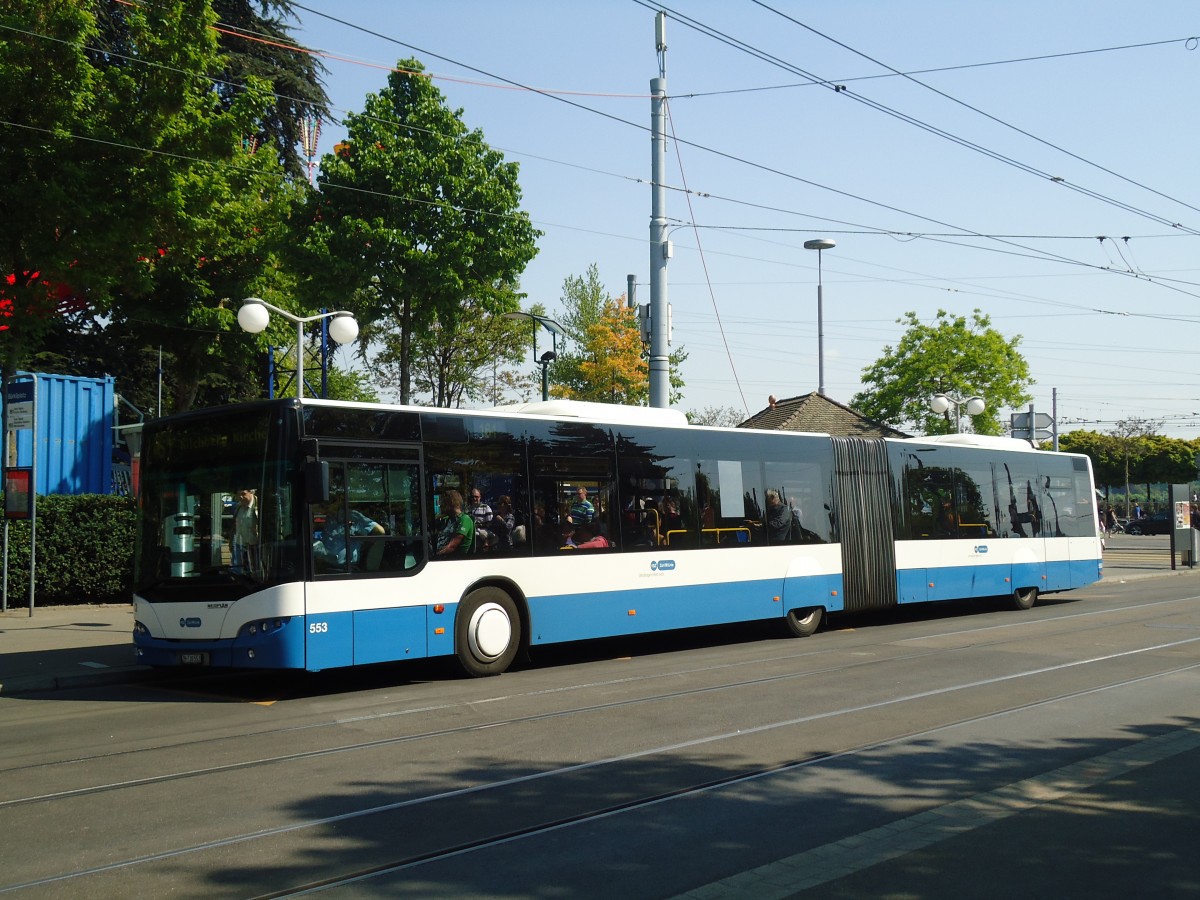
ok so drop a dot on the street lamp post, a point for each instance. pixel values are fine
(544, 361)
(549, 356)
(820, 245)
(254, 316)
(972, 406)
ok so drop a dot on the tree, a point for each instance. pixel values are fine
(953, 355)
(1104, 450)
(720, 416)
(143, 219)
(60, 181)
(256, 41)
(1132, 436)
(602, 357)
(460, 360)
(416, 201)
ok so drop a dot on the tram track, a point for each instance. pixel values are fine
(125, 758)
(632, 804)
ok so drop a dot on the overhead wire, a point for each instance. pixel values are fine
(974, 109)
(840, 88)
(704, 264)
(646, 129)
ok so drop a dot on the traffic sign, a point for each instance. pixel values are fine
(1040, 421)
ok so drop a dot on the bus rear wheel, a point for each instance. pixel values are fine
(803, 622)
(487, 632)
(1024, 598)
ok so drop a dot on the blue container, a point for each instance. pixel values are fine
(73, 434)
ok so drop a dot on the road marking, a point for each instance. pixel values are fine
(827, 863)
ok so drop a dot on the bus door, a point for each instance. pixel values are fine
(1022, 523)
(863, 506)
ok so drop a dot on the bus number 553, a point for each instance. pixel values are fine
(318, 627)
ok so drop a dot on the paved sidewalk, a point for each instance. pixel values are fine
(66, 647)
(76, 646)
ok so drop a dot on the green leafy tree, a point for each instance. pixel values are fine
(1132, 435)
(256, 41)
(151, 219)
(422, 205)
(1106, 454)
(955, 355)
(465, 359)
(59, 180)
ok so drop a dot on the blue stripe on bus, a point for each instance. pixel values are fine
(334, 639)
(382, 635)
(572, 617)
(966, 582)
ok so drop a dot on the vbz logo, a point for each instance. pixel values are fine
(193, 622)
(662, 565)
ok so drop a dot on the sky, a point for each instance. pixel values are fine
(1035, 161)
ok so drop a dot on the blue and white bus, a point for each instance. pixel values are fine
(697, 526)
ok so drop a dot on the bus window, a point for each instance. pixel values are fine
(657, 494)
(371, 523)
(727, 493)
(975, 497)
(1017, 480)
(797, 509)
(481, 456)
(572, 503)
(1068, 500)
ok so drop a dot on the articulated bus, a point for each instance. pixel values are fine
(689, 526)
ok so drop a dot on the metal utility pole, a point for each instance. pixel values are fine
(660, 247)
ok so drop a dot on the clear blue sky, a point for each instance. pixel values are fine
(773, 160)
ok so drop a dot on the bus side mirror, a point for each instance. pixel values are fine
(316, 480)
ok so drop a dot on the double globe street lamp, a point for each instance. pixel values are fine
(255, 314)
(972, 406)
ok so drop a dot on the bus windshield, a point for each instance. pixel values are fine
(217, 507)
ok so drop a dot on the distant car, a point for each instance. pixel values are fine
(1159, 523)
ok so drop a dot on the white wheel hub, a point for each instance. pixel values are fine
(489, 631)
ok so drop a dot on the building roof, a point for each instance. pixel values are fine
(816, 413)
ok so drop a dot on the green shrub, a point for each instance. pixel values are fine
(84, 551)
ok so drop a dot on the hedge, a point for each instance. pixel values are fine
(84, 551)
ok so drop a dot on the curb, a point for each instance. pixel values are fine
(34, 684)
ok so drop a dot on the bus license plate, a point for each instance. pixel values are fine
(193, 659)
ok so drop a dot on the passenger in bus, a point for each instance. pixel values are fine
(947, 520)
(780, 518)
(502, 526)
(457, 534)
(480, 513)
(588, 539)
(566, 536)
(670, 519)
(333, 547)
(582, 512)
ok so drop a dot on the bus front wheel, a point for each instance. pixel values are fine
(1024, 598)
(487, 632)
(803, 622)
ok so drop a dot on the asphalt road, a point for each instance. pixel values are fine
(944, 751)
